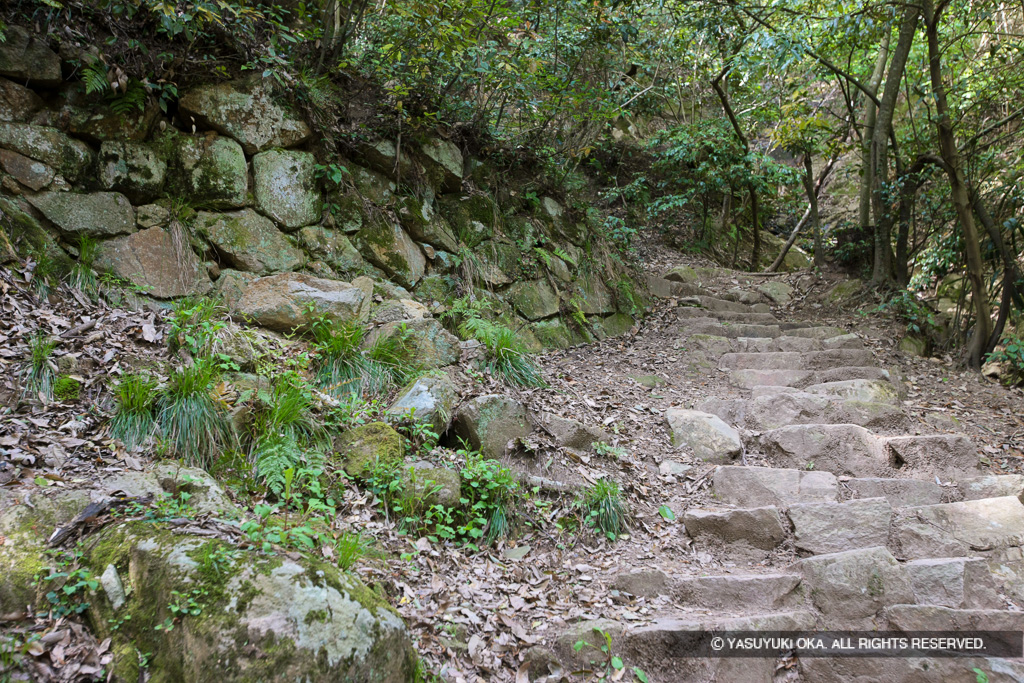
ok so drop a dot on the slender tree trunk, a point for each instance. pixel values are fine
(880, 147)
(812, 199)
(1011, 274)
(803, 220)
(958, 189)
(755, 208)
(870, 113)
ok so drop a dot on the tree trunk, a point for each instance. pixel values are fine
(880, 147)
(812, 199)
(755, 251)
(1011, 273)
(870, 112)
(803, 220)
(958, 189)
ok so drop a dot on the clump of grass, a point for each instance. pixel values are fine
(344, 368)
(134, 419)
(507, 358)
(194, 323)
(82, 276)
(39, 374)
(194, 425)
(602, 508)
(351, 547)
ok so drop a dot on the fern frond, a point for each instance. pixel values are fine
(95, 78)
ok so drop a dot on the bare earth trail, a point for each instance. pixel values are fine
(854, 488)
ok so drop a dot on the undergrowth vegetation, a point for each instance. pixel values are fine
(506, 355)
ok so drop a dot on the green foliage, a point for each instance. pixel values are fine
(609, 451)
(602, 508)
(134, 419)
(344, 368)
(919, 318)
(40, 372)
(1011, 352)
(68, 584)
(193, 423)
(506, 355)
(352, 547)
(610, 667)
(194, 323)
(82, 276)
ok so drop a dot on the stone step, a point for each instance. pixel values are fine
(992, 486)
(767, 343)
(771, 486)
(814, 331)
(748, 379)
(747, 533)
(740, 592)
(864, 390)
(852, 451)
(730, 330)
(716, 305)
(936, 618)
(954, 582)
(899, 492)
(667, 289)
(958, 529)
(742, 296)
(772, 410)
(686, 313)
(821, 528)
(797, 360)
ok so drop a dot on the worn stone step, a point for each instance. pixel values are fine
(714, 304)
(816, 331)
(937, 618)
(730, 330)
(851, 589)
(741, 532)
(821, 528)
(740, 592)
(899, 492)
(771, 486)
(766, 343)
(797, 360)
(772, 410)
(853, 451)
(954, 582)
(992, 486)
(909, 670)
(686, 313)
(667, 289)
(748, 379)
(742, 296)
(863, 390)
(958, 529)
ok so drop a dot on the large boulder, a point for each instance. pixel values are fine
(287, 301)
(285, 187)
(153, 260)
(255, 616)
(249, 242)
(27, 59)
(248, 110)
(133, 169)
(488, 423)
(362, 449)
(18, 104)
(27, 235)
(705, 434)
(432, 397)
(100, 214)
(210, 172)
(98, 123)
(597, 298)
(387, 246)
(69, 157)
(332, 247)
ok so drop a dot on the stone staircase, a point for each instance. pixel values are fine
(889, 531)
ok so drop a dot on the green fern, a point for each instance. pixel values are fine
(560, 253)
(544, 255)
(95, 78)
(133, 99)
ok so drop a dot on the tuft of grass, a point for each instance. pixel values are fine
(507, 358)
(82, 276)
(134, 419)
(40, 374)
(603, 509)
(194, 323)
(193, 424)
(344, 368)
(351, 547)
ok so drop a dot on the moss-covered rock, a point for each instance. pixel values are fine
(28, 237)
(361, 449)
(387, 246)
(208, 172)
(285, 187)
(250, 110)
(555, 334)
(684, 274)
(333, 248)
(100, 214)
(488, 423)
(247, 241)
(134, 169)
(27, 59)
(71, 158)
(443, 164)
(431, 345)
(432, 398)
(288, 301)
(535, 300)
(596, 297)
(18, 104)
(522, 230)
(843, 291)
(261, 618)
(499, 262)
(370, 184)
(617, 324)
(421, 221)
(35, 175)
(472, 217)
(98, 123)
(432, 484)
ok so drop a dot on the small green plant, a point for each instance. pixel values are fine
(40, 372)
(350, 548)
(488, 492)
(69, 583)
(192, 422)
(1010, 352)
(134, 419)
(66, 388)
(602, 508)
(617, 452)
(194, 323)
(343, 367)
(82, 276)
(506, 355)
(610, 667)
